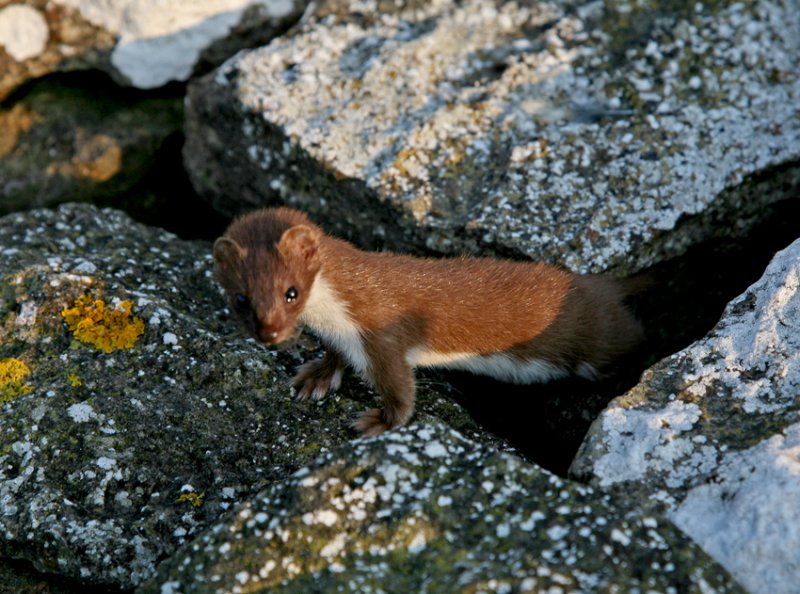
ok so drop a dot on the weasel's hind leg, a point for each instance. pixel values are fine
(394, 381)
(316, 378)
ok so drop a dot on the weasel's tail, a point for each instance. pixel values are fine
(638, 283)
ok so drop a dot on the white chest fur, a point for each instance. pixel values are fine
(327, 316)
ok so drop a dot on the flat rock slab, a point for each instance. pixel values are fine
(111, 460)
(144, 43)
(577, 134)
(422, 509)
(712, 435)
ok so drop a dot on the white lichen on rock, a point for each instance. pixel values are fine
(641, 441)
(747, 517)
(754, 353)
(459, 518)
(81, 412)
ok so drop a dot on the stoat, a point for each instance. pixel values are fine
(385, 314)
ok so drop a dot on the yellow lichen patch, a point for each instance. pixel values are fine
(74, 380)
(12, 379)
(14, 122)
(92, 322)
(196, 499)
(97, 158)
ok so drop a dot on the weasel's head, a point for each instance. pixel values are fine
(267, 280)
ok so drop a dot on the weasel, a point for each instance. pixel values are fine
(385, 314)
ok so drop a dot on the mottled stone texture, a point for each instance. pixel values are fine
(81, 137)
(598, 135)
(103, 460)
(144, 43)
(712, 435)
(422, 509)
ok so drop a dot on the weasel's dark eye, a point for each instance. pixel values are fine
(291, 294)
(240, 300)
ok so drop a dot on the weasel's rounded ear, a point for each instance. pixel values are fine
(228, 253)
(300, 240)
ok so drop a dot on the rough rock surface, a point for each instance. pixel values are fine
(110, 460)
(422, 509)
(580, 133)
(18, 577)
(62, 141)
(712, 434)
(122, 37)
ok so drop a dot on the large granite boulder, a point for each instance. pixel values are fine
(712, 435)
(144, 43)
(132, 410)
(422, 509)
(599, 135)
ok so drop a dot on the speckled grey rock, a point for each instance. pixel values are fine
(422, 509)
(123, 38)
(598, 134)
(712, 434)
(96, 456)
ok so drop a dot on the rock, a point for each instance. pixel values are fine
(609, 135)
(38, 37)
(24, 32)
(712, 435)
(80, 139)
(128, 426)
(423, 509)
(17, 578)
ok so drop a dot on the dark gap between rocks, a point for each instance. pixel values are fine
(165, 198)
(20, 577)
(95, 82)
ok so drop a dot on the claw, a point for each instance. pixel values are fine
(319, 391)
(316, 378)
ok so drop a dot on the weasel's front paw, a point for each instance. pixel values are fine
(371, 422)
(316, 378)
(377, 420)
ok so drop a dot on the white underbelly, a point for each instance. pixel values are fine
(499, 366)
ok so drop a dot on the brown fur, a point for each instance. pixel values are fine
(525, 311)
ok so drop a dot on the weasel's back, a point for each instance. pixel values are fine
(484, 306)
